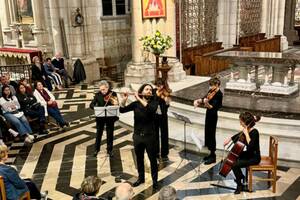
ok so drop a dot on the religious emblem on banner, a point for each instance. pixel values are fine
(154, 8)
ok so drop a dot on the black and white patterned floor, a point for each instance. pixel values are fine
(58, 162)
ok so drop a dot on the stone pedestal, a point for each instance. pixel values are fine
(139, 73)
(240, 85)
(278, 88)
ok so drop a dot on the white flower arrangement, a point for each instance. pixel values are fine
(156, 44)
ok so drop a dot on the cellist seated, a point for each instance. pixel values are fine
(251, 153)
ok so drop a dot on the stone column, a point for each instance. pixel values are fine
(56, 31)
(1, 36)
(289, 21)
(38, 17)
(137, 70)
(227, 22)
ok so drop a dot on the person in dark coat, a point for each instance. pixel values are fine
(212, 102)
(251, 156)
(59, 64)
(161, 120)
(105, 97)
(38, 73)
(144, 136)
(79, 72)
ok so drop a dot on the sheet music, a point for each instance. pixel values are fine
(107, 111)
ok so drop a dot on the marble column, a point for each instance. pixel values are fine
(56, 31)
(273, 20)
(1, 36)
(227, 27)
(289, 21)
(38, 16)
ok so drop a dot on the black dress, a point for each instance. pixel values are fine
(251, 155)
(144, 135)
(161, 123)
(211, 119)
(109, 122)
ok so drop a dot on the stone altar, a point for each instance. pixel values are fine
(279, 66)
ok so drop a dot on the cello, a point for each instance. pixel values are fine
(233, 154)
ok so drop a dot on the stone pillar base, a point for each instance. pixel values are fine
(241, 85)
(139, 73)
(176, 73)
(279, 89)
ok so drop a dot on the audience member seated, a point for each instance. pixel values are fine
(10, 107)
(5, 81)
(15, 187)
(89, 189)
(58, 63)
(31, 107)
(124, 192)
(167, 193)
(51, 72)
(46, 99)
(5, 128)
(27, 86)
(38, 73)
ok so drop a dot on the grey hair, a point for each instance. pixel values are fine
(124, 192)
(167, 193)
(104, 82)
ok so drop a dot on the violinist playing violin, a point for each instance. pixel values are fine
(161, 119)
(105, 97)
(251, 153)
(212, 102)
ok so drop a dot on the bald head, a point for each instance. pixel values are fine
(124, 192)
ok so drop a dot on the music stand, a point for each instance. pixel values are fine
(185, 120)
(107, 111)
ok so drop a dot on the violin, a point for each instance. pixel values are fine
(208, 96)
(110, 98)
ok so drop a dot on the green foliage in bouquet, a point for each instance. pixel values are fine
(156, 44)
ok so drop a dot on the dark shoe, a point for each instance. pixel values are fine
(155, 185)
(165, 159)
(95, 153)
(43, 132)
(206, 158)
(138, 182)
(110, 153)
(238, 189)
(210, 160)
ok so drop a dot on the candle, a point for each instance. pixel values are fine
(285, 81)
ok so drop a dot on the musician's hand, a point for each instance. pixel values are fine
(205, 100)
(136, 95)
(227, 141)
(167, 100)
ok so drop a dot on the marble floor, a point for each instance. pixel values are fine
(58, 162)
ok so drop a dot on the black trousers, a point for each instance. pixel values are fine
(142, 143)
(161, 123)
(39, 112)
(210, 131)
(100, 122)
(243, 161)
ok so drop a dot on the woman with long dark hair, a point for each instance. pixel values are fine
(10, 107)
(31, 107)
(251, 154)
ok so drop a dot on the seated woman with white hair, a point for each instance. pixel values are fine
(167, 193)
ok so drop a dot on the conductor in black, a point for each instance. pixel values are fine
(105, 97)
(144, 109)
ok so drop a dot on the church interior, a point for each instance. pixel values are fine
(57, 56)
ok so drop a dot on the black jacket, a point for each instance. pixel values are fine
(58, 63)
(26, 101)
(79, 72)
(99, 101)
(37, 74)
(144, 117)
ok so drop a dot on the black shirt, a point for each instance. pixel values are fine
(216, 102)
(26, 101)
(58, 63)
(143, 116)
(252, 149)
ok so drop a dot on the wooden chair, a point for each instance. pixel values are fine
(26, 196)
(267, 163)
(2, 189)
